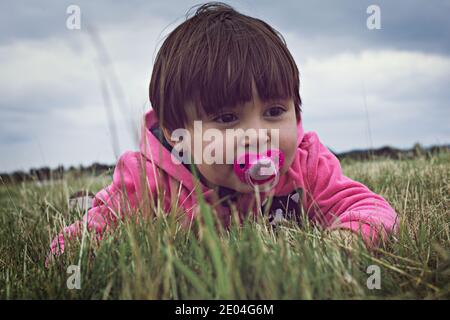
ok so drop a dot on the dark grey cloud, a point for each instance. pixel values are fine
(24, 19)
(407, 25)
(410, 25)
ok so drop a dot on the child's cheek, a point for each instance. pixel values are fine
(288, 144)
(214, 150)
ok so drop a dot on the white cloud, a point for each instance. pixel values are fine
(50, 92)
(400, 88)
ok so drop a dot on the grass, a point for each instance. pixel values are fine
(156, 259)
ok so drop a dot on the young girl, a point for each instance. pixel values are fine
(227, 71)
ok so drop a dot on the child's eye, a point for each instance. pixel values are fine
(274, 112)
(225, 118)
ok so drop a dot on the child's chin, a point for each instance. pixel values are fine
(242, 187)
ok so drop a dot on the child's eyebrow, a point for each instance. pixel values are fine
(276, 100)
(239, 107)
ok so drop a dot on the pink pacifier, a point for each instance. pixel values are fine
(262, 170)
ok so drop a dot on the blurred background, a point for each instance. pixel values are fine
(65, 98)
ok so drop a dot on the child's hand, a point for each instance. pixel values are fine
(56, 249)
(345, 237)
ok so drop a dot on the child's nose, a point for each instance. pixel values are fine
(255, 141)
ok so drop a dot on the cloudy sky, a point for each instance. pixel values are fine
(360, 87)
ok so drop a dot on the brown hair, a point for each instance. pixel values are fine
(211, 60)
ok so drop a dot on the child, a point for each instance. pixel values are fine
(232, 71)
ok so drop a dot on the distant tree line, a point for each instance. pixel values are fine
(45, 173)
(393, 153)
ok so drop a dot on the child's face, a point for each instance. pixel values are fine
(276, 117)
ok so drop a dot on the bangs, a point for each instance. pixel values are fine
(215, 61)
(236, 60)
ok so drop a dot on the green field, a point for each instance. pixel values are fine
(155, 259)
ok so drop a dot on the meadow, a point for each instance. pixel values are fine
(156, 259)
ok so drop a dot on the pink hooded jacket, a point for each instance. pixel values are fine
(314, 183)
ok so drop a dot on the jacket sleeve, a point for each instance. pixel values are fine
(340, 202)
(110, 204)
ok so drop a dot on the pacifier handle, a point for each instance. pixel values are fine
(260, 170)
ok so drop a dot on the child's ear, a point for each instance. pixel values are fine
(298, 116)
(167, 136)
